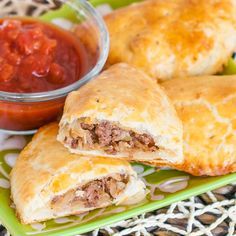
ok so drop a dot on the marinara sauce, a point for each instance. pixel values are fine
(36, 57)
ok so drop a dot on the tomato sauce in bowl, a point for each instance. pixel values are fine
(39, 64)
(38, 57)
(44, 55)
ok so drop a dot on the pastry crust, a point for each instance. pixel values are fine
(170, 39)
(45, 170)
(133, 101)
(207, 108)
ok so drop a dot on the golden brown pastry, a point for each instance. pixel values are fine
(207, 107)
(49, 182)
(122, 113)
(173, 38)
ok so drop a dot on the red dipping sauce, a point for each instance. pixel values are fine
(36, 57)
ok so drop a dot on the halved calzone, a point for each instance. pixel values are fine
(48, 181)
(173, 38)
(207, 107)
(122, 113)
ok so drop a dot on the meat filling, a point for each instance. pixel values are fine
(111, 138)
(96, 193)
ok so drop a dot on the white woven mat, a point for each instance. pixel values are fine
(190, 211)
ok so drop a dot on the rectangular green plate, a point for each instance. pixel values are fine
(86, 222)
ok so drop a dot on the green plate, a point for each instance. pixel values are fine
(160, 184)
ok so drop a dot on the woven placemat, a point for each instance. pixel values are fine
(212, 214)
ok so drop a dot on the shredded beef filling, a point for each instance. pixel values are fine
(94, 194)
(112, 138)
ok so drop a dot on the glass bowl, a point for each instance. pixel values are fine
(24, 113)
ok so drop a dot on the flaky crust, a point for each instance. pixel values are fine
(173, 38)
(46, 169)
(128, 97)
(207, 108)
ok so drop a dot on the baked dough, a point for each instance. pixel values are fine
(207, 107)
(49, 182)
(173, 38)
(129, 116)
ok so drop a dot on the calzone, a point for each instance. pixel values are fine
(122, 113)
(207, 107)
(49, 182)
(173, 38)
